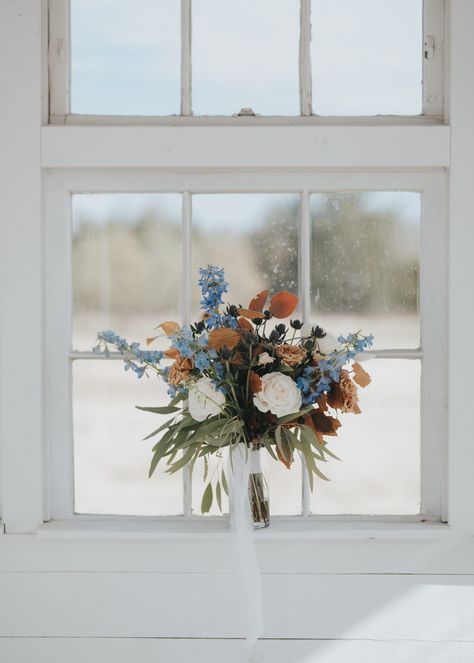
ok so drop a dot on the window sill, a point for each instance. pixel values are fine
(282, 528)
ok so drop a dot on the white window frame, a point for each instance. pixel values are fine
(33, 151)
(61, 185)
(60, 84)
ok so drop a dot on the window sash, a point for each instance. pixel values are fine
(60, 80)
(432, 308)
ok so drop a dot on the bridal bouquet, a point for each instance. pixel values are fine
(241, 376)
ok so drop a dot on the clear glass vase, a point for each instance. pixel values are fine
(258, 492)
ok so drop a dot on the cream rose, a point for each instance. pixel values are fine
(204, 399)
(265, 358)
(279, 395)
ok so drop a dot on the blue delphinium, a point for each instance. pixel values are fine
(213, 285)
(132, 352)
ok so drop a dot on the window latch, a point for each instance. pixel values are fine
(429, 47)
(246, 112)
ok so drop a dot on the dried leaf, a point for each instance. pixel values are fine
(287, 462)
(283, 304)
(309, 422)
(150, 340)
(323, 402)
(258, 302)
(245, 324)
(361, 377)
(324, 423)
(255, 382)
(250, 314)
(223, 336)
(169, 327)
(334, 397)
(172, 353)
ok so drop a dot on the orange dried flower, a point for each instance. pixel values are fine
(349, 396)
(179, 371)
(291, 355)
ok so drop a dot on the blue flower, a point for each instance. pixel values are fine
(213, 285)
(201, 361)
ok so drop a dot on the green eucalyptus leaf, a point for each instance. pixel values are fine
(295, 415)
(207, 499)
(181, 462)
(166, 409)
(219, 495)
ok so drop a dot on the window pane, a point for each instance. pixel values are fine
(255, 238)
(245, 54)
(111, 460)
(125, 57)
(365, 265)
(379, 472)
(126, 264)
(367, 57)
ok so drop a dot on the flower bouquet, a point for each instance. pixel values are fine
(239, 378)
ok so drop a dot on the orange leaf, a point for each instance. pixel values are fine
(172, 353)
(248, 313)
(258, 302)
(283, 304)
(169, 327)
(223, 336)
(325, 424)
(286, 459)
(149, 341)
(255, 382)
(245, 324)
(361, 377)
(323, 402)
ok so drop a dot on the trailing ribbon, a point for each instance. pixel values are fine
(242, 530)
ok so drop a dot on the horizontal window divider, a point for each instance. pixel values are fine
(378, 354)
(246, 120)
(271, 147)
(283, 527)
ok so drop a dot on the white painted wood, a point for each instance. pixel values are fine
(433, 57)
(186, 66)
(124, 650)
(305, 298)
(433, 307)
(461, 276)
(59, 57)
(21, 249)
(246, 147)
(305, 58)
(338, 552)
(186, 213)
(58, 392)
(379, 607)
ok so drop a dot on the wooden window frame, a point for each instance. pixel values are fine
(35, 152)
(60, 83)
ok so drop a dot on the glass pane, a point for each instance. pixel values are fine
(125, 57)
(379, 472)
(111, 460)
(126, 264)
(365, 265)
(245, 54)
(255, 238)
(367, 57)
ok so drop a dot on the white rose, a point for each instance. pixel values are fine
(204, 399)
(328, 343)
(279, 394)
(264, 358)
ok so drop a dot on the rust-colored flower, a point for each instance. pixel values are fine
(349, 396)
(179, 371)
(291, 355)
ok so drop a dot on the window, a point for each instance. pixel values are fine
(335, 191)
(363, 250)
(264, 58)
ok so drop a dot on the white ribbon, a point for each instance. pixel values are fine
(242, 463)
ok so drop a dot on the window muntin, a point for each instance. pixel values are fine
(210, 214)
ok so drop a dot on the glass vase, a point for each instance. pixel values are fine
(258, 492)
